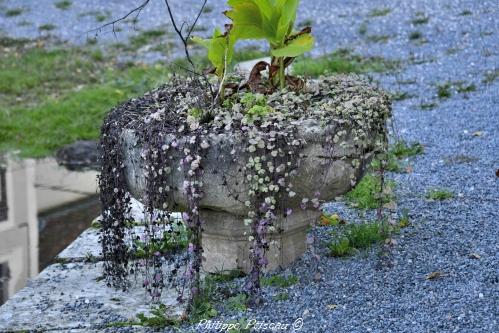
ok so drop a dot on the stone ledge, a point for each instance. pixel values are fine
(71, 297)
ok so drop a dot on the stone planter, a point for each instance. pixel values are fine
(330, 167)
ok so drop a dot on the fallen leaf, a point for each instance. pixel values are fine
(409, 169)
(331, 306)
(477, 133)
(474, 256)
(497, 173)
(318, 276)
(390, 241)
(435, 275)
(392, 205)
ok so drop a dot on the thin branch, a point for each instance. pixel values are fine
(113, 23)
(185, 39)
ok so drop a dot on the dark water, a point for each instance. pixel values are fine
(59, 227)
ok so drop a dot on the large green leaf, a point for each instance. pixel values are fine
(295, 47)
(287, 16)
(247, 20)
(220, 50)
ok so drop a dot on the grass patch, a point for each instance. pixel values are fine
(157, 320)
(356, 237)
(397, 152)
(237, 303)
(402, 149)
(464, 88)
(439, 194)
(378, 38)
(420, 19)
(146, 38)
(207, 9)
(363, 28)
(281, 297)
(400, 95)
(342, 61)
(47, 27)
(52, 98)
(14, 12)
(490, 76)
(279, 281)
(377, 12)
(415, 35)
(366, 194)
(63, 4)
(460, 159)
(444, 90)
(226, 276)
(428, 106)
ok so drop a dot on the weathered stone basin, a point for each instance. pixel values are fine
(335, 156)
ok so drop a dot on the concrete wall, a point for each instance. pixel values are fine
(31, 187)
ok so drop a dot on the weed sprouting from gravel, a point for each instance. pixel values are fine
(377, 12)
(355, 237)
(63, 4)
(439, 194)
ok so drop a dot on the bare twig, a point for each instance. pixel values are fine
(185, 39)
(136, 10)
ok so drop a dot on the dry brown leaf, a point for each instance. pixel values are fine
(435, 275)
(390, 241)
(477, 133)
(331, 306)
(474, 256)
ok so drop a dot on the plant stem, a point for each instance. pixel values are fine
(282, 78)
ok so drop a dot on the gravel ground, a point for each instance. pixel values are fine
(383, 291)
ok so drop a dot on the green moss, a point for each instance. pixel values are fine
(355, 237)
(376, 12)
(366, 194)
(63, 4)
(439, 194)
(342, 61)
(279, 281)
